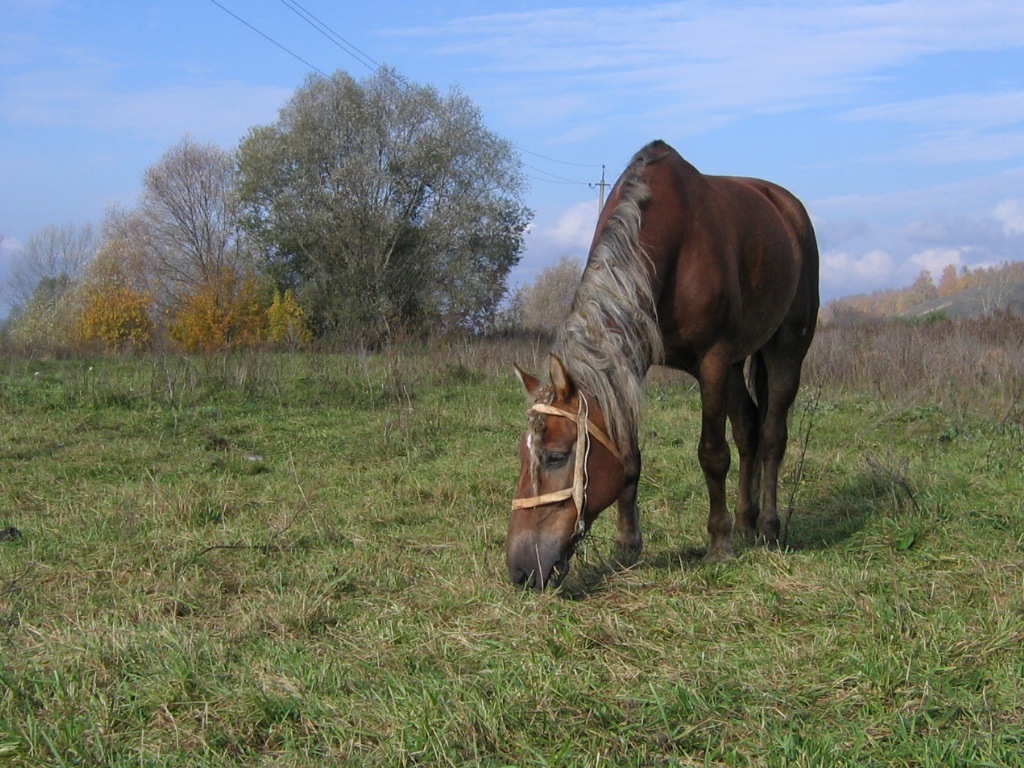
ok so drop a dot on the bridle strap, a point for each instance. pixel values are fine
(578, 490)
(545, 498)
(594, 430)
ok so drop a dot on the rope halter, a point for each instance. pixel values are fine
(585, 430)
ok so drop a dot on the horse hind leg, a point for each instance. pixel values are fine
(743, 416)
(782, 385)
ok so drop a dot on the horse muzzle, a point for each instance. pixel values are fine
(536, 562)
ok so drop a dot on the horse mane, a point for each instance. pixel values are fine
(611, 335)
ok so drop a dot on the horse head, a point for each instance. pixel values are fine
(570, 471)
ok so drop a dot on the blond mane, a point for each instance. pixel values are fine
(611, 335)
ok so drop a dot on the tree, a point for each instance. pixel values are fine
(114, 300)
(125, 255)
(389, 208)
(922, 289)
(53, 259)
(41, 287)
(223, 313)
(187, 220)
(286, 326)
(997, 287)
(545, 303)
(948, 281)
(45, 324)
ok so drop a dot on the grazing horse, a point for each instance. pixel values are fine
(700, 273)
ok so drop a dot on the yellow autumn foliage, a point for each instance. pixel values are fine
(116, 317)
(114, 306)
(224, 313)
(286, 325)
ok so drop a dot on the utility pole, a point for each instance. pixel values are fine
(600, 187)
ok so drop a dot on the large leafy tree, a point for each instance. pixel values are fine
(388, 207)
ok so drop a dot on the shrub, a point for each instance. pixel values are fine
(286, 325)
(116, 318)
(224, 313)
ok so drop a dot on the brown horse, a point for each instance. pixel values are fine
(700, 273)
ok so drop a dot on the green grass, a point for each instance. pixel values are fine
(298, 560)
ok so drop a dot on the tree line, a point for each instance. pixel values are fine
(368, 211)
(992, 282)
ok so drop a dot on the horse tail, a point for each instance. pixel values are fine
(757, 383)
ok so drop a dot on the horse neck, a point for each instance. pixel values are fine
(607, 351)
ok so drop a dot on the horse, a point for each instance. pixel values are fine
(713, 275)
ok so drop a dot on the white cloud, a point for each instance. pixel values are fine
(574, 229)
(554, 233)
(852, 273)
(936, 259)
(1010, 213)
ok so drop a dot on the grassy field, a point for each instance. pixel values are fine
(299, 560)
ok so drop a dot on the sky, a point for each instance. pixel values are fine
(900, 123)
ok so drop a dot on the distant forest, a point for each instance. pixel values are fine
(968, 291)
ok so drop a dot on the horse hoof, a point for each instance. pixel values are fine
(746, 535)
(625, 557)
(768, 531)
(719, 554)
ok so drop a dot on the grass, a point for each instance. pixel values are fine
(298, 560)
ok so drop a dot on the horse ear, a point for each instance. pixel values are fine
(530, 383)
(564, 389)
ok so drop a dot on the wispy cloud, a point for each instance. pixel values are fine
(717, 57)
(955, 127)
(991, 109)
(47, 84)
(88, 98)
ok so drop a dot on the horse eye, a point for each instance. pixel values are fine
(555, 459)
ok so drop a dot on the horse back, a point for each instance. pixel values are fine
(733, 258)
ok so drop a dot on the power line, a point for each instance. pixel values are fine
(554, 177)
(268, 38)
(561, 162)
(367, 61)
(556, 181)
(331, 35)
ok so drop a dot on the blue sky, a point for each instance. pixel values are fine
(900, 124)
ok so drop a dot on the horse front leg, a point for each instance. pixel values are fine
(628, 540)
(713, 454)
